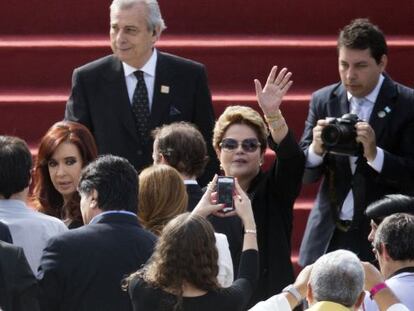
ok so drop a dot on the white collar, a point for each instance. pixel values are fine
(190, 182)
(148, 68)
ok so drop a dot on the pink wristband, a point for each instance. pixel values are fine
(376, 289)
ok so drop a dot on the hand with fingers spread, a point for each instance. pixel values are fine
(366, 136)
(270, 97)
(207, 204)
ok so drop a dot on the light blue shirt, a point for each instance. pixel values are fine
(30, 229)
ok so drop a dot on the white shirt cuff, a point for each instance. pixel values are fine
(378, 161)
(312, 159)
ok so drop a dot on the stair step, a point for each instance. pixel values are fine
(204, 17)
(232, 63)
(19, 111)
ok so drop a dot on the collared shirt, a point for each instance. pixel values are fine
(190, 182)
(30, 230)
(149, 77)
(99, 216)
(364, 112)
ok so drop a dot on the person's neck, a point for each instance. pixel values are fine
(394, 266)
(190, 290)
(21, 196)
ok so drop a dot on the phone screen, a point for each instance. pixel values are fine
(225, 187)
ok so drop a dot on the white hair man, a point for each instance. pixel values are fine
(146, 88)
(335, 282)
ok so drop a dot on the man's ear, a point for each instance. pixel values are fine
(162, 159)
(94, 199)
(309, 294)
(360, 300)
(384, 252)
(383, 62)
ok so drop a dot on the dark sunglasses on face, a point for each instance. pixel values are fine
(248, 145)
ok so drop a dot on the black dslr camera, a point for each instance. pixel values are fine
(339, 136)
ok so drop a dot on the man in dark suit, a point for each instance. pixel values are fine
(83, 268)
(18, 286)
(385, 163)
(122, 97)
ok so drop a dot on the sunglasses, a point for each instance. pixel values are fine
(248, 145)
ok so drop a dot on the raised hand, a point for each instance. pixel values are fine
(270, 97)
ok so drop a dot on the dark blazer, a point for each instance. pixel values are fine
(394, 134)
(82, 269)
(194, 192)
(99, 100)
(5, 235)
(18, 286)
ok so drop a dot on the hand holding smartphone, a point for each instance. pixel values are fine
(225, 192)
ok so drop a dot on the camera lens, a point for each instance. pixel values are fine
(331, 135)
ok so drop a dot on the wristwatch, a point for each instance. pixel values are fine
(291, 289)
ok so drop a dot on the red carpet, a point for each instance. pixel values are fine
(41, 42)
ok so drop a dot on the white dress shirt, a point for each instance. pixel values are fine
(30, 229)
(149, 77)
(363, 108)
(402, 286)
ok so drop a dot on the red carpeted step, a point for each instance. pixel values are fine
(232, 63)
(284, 17)
(19, 112)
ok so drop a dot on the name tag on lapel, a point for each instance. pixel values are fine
(165, 89)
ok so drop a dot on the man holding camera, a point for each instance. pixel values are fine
(363, 155)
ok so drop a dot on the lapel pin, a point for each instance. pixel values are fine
(165, 89)
(381, 114)
(387, 109)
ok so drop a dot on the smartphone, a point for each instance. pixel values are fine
(225, 190)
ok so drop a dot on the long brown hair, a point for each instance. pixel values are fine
(185, 253)
(162, 196)
(45, 197)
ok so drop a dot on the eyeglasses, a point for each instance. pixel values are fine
(248, 145)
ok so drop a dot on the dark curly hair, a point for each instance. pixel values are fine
(46, 198)
(361, 34)
(185, 252)
(183, 146)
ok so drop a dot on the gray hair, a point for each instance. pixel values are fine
(338, 277)
(396, 233)
(154, 14)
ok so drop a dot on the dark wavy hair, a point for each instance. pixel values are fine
(46, 198)
(183, 146)
(361, 34)
(185, 252)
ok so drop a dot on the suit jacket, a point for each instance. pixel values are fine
(5, 235)
(82, 269)
(18, 286)
(194, 193)
(99, 100)
(392, 119)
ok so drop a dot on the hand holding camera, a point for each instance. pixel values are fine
(347, 135)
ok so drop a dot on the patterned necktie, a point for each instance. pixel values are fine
(140, 107)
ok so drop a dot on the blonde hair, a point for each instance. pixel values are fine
(240, 115)
(162, 196)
